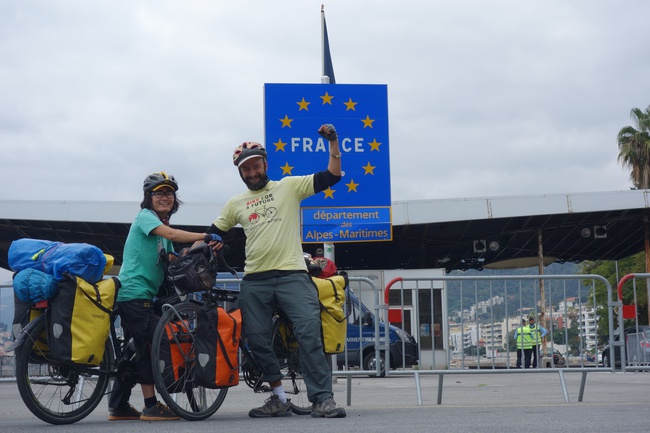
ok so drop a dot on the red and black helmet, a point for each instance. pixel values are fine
(155, 180)
(246, 151)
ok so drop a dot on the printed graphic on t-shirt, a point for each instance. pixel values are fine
(261, 209)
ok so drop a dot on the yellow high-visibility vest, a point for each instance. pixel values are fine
(524, 338)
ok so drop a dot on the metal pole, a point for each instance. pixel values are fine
(647, 263)
(542, 296)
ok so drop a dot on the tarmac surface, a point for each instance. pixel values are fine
(612, 402)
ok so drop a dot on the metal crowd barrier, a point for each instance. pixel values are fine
(429, 295)
(633, 344)
(555, 288)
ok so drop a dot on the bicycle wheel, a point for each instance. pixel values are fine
(285, 346)
(58, 393)
(173, 343)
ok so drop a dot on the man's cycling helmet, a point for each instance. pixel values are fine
(157, 180)
(246, 151)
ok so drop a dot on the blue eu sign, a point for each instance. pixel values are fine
(358, 207)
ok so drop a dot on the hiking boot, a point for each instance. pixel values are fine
(273, 406)
(128, 414)
(327, 409)
(159, 412)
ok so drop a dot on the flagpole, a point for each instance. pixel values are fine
(328, 247)
(324, 79)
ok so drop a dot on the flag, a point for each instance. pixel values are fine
(328, 69)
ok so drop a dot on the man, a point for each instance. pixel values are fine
(275, 272)
(524, 344)
(537, 334)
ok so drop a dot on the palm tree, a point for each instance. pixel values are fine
(634, 148)
(634, 152)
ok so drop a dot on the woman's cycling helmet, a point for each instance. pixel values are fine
(246, 151)
(155, 180)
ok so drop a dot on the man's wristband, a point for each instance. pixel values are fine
(337, 156)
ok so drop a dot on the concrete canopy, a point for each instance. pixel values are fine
(455, 234)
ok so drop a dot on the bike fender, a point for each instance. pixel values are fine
(23, 333)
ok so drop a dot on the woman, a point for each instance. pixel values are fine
(147, 249)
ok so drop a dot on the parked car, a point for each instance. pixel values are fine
(633, 352)
(361, 341)
(558, 358)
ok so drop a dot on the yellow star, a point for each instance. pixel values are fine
(303, 105)
(352, 186)
(367, 122)
(286, 121)
(329, 192)
(327, 99)
(279, 145)
(369, 169)
(286, 169)
(350, 105)
(374, 145)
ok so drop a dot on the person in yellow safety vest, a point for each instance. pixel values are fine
(537, 334)
(524, 344)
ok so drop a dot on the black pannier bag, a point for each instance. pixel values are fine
(194, 272)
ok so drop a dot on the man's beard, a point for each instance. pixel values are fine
(257, 183)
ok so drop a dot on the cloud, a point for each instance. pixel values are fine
(485, 98)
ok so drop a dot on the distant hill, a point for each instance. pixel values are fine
(6, 306)
(523, 293)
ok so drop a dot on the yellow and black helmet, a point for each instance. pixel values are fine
(158, 180)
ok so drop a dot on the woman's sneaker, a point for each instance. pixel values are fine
(159, 412)
(272, 407)
(327, 409)
(128, 414)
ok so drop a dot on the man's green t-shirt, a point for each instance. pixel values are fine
(270, 218)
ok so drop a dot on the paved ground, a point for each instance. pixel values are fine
(484, 403)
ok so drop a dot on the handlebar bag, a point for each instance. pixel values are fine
(80, 319)
(331, 294)
(217, 342)
(193, 272)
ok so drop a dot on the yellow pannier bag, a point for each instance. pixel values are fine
(80, 319)
(331, 294)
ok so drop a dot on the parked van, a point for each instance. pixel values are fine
(403, 349)
(637, 346)
(637, 351)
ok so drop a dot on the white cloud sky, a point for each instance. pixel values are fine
(486, 97)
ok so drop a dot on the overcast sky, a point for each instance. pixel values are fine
(486, 98)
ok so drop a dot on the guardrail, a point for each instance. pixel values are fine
(431, 293)
(633, 344)
(557, 289)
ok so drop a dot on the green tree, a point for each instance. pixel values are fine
(569, 336)
(634, 148)
(608, 269)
